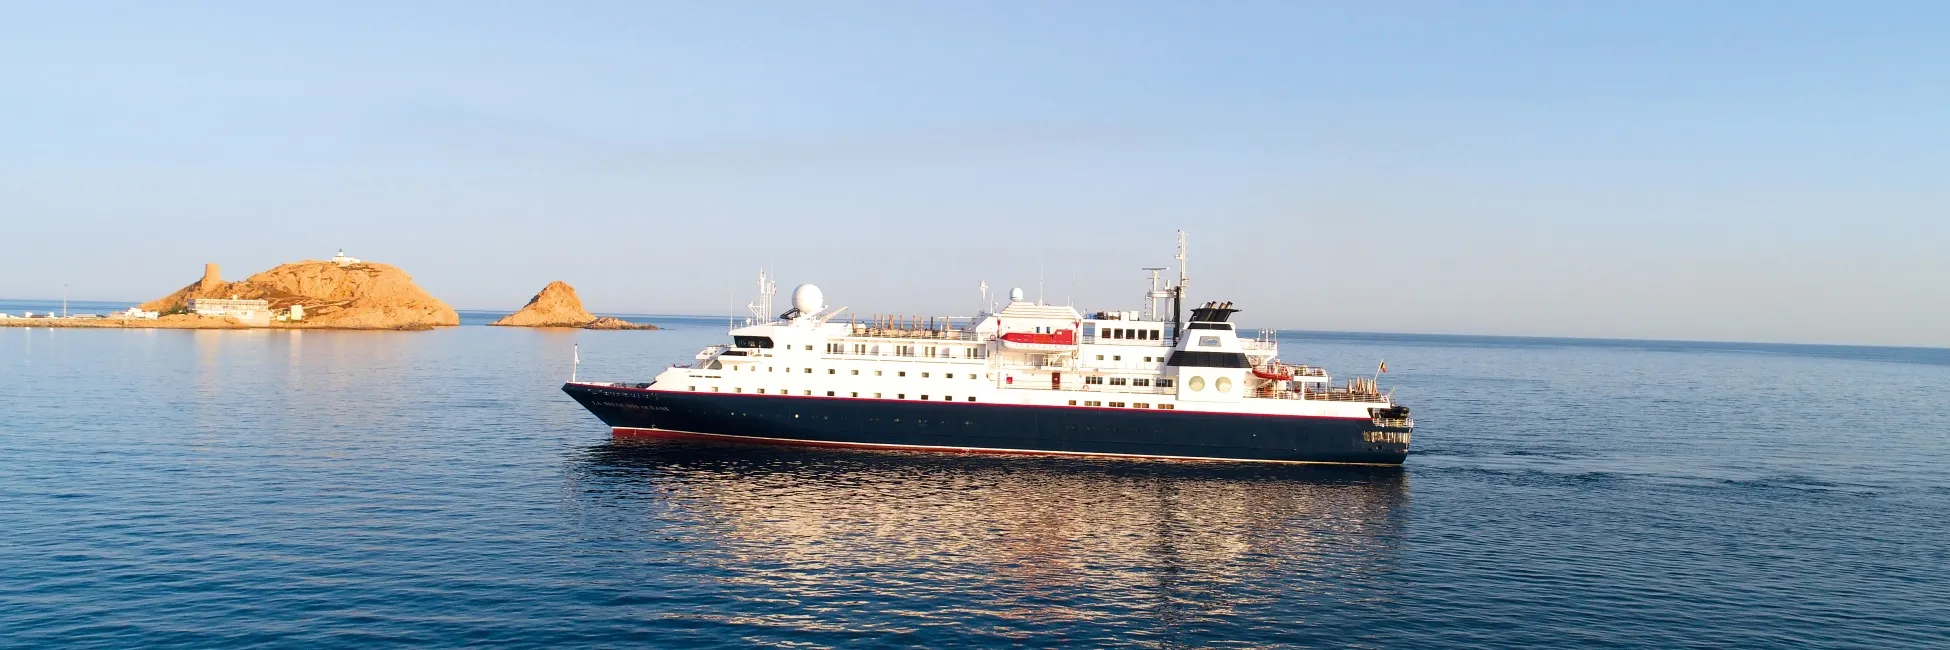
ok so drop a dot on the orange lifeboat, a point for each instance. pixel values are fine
(1276, 373)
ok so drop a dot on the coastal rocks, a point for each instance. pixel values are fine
(558, 306)
(362, 295)
(609, 323)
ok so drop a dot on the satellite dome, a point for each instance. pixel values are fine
(808, 300)
(1015, 295)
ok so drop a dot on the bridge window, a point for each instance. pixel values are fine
(751, 341)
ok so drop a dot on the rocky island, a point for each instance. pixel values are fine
(557, 306)
(337, 294)
(342, 293)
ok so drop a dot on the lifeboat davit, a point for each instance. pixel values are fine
(1058, 341)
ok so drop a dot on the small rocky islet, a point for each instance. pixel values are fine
(557, 305)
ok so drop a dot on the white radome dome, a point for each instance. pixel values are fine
(808, 299)
(1015, 295)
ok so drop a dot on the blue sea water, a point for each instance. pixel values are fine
(218, 489)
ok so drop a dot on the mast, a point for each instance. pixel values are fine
(1156, 293)
(761, 307)
(1178, 294)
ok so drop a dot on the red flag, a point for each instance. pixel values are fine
(1384, 365)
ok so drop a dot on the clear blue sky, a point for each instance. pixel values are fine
(1775, 171)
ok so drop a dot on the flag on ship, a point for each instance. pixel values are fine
(1384, 365)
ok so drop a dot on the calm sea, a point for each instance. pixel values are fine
(217, 489)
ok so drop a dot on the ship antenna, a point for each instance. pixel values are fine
(1178, 294)
(1184, 275)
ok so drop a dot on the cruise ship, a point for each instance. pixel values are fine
(1025, 378)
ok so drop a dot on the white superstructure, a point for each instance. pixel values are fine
(1025, 353)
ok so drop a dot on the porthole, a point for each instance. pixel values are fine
(1196, 384)
(1224, 384)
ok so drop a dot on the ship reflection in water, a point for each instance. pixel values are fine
(893, 541)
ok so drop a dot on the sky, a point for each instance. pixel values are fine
(1754, 171)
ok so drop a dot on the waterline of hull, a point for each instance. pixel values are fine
(632, 432)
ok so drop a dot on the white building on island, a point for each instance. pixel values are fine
(256, 313)
(341, 260)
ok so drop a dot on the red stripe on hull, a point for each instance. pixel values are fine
(632, 432)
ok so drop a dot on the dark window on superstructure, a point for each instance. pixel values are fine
(1118, 381)
(1093, 380)
(751, 341)
(1202, 359)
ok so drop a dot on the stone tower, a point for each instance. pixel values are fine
(211, 279)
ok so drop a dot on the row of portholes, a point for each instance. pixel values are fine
(1222, 384)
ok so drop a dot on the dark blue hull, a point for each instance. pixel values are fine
(993, 427)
